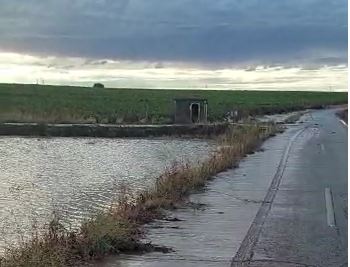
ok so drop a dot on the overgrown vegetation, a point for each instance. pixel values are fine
(119, 229)
(59, 104)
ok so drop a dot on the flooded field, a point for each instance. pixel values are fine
(76, 177)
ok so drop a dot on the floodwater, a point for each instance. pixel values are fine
(76, 177)
(210, 231)
(293, 232)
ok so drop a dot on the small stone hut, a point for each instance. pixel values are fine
(191, 110)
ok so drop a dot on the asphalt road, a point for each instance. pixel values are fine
(303, 221)
(285, 205)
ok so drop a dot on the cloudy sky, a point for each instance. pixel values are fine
(224, 44)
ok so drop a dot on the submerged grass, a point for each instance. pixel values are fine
(119, 229)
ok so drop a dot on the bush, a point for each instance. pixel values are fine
(98, 85)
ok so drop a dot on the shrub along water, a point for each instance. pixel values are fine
(119, 229)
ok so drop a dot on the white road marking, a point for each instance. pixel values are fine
(329, 207)
(322, 147)
(343, 122)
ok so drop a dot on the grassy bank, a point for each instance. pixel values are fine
(119, 229)
(56, 104)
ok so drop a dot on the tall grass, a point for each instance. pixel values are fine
(119, 229)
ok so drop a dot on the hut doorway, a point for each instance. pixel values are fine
(195, 112)
(190, 110)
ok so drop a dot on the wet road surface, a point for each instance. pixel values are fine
(307, 223)
(276, 209)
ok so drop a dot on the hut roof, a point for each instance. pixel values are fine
(190, 99)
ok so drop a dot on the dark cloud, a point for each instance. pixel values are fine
(223, 31)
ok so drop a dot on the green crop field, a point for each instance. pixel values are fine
(40, 103)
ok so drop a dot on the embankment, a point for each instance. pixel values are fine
(108, 130)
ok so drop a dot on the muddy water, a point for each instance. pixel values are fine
(76, 177)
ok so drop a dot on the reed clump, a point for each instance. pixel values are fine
(112, 231)
(119, 229)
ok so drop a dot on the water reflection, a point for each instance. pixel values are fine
(76, 177)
